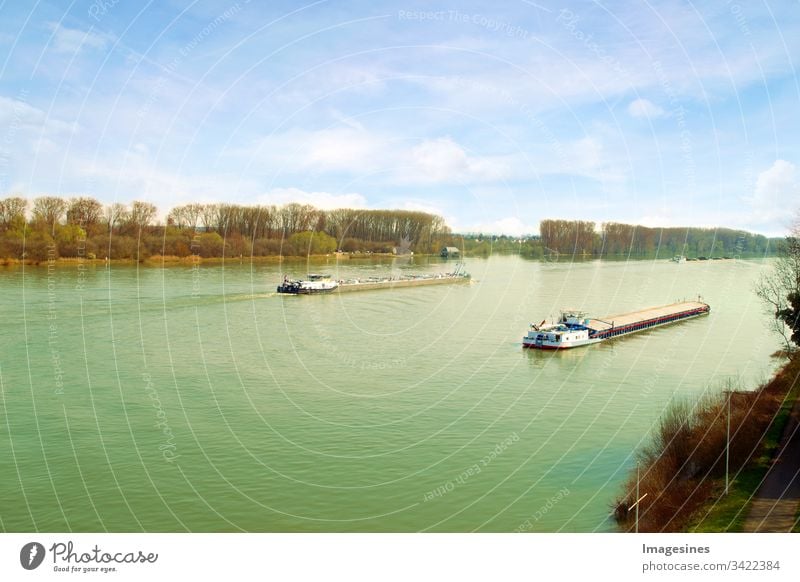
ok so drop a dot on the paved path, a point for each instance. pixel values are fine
(775, 505)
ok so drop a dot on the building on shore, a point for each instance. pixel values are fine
(450, 252)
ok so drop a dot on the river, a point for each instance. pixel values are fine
(193, 398)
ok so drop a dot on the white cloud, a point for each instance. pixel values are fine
(135, 175)
(644, 108)
(340, 149)
(589, 157)
(22, 116)
(443, 160)
(359, 151)
(657, 219)
(776, 191)
(420, 206)
(71, 40)
(321, 200)
(586, 153)
(511, 226)
(440, 160)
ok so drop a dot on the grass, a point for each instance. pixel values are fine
(683, 468)
(727, 513)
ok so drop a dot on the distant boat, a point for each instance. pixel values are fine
(315, 284)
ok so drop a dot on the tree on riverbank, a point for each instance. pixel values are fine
(83, 227)
(580, 237)
(780, 290)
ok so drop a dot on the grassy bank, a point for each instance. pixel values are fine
(727, 512)
(682, 470)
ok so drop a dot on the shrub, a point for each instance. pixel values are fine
(210, 245)
(265, 247)
(686, 454)
(311, 243)
(40, 246)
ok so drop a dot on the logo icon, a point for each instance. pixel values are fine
(31, 555)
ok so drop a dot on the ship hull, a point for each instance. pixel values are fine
(285, 291)
(534, 345)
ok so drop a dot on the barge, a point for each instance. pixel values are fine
(313, 285)
(574, 328)
(317, 284)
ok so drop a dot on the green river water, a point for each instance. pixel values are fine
(195, 398)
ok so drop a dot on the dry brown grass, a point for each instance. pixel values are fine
(686, 456)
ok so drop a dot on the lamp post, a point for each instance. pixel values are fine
(728, 444)
(638, 500)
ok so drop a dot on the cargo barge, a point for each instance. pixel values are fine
(574, 329)
(317, 284)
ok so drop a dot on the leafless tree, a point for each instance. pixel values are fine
(85, 212)
(115, 215)
(11, 210)
(140, 216)
(780, 289)
(49, 210)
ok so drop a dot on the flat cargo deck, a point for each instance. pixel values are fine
(399, 283)
(634, 317)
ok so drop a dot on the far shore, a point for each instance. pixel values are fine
(158, 260)
(172, 260)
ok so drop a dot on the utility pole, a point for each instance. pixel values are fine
(728, 444)
(637, 498)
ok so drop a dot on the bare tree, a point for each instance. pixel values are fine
(85, 212)
(780, 290)
(12, 210)
(208, 215)
(192, 213)
(49, 210)
(141, 215)
(114, 215)
(177, 217)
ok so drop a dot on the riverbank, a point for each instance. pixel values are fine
(164, 260)
(161, 260)
(682, 471)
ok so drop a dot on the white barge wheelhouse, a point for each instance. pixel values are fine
(315, 284)
(574, 329)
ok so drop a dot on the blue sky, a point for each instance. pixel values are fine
(494, 115)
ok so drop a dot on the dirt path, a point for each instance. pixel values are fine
(775, 504)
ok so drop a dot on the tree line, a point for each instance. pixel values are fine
(50, 227)
(579, 237)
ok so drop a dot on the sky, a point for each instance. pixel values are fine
(494, 115)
